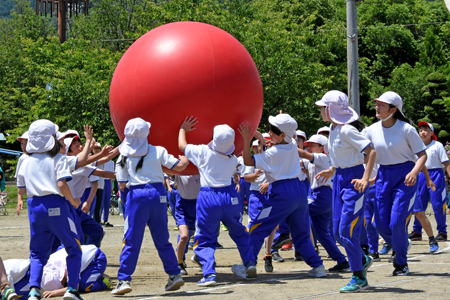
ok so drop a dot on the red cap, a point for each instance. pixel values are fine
(423, 123)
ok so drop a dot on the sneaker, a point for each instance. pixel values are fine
(248, 273)
(34, 294)
(123, 287)
(342, 267)
(209, 280)
(182, 267)
(107, 224)
(277, 257)
(409, 245)
(175, 228)
(219, 246)
(224, 228)
(365, 249)
(191, 245)
(174, 283)
(386, 249)
(72, 294)
(9, 294)
(287, 247)
(367, 265)
(441, 237)
(318, 272)
(195, 260)
(391, 259)
(105, 278)
(401, 270)
(355, 285)
(282, 240)
(298, 256)
(414, 236)
(434, 246)
(317, 249)
(375, 256)
(268, 267)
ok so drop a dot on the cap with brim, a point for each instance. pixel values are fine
(24, 136)
(97, 145)
(301, 133)
(392, 98)
(266, 136)
(135, 143)
(429, 125)
(68, 142)
(71, 132)
(318, 139)
(286, 124)
(323, 129)
(40, 136)
(59, 135)
(255, 143)
(223, 140)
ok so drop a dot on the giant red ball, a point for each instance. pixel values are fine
(182, 69)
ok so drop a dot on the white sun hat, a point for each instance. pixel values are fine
(40, 136)
(24, 136)
(392, 98)
(286, 124)
(135, 143)
(223, 140)
(337, 103)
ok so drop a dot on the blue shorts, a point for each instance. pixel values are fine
(185, 212)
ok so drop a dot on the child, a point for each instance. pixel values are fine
(107, 192)
(396, 143)
(6, 287)
(217, 200)
(141, 166)
(23, 139)
(437, 157)
(345, 145)
(287, 197)
(43, 177)
(320, 199)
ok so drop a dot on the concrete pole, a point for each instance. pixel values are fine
(352, 55)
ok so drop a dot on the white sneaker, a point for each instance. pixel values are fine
(243, 272)
(174, 283)
(318, 272)
(122, 288)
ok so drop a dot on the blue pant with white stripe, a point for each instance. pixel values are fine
(348, 213)
(394, 207)
(287, 200)
(438, 199)
(146, 204)
(215, 205)
(255, 204)
(371, 230)
(90, 278)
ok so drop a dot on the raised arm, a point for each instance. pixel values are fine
(188, 125)
(245, 131)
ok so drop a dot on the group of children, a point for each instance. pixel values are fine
(344, 188)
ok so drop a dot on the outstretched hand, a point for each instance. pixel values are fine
(88, 132)
(189, 124)
(245, 131)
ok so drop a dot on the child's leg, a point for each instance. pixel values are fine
(90, 278)
(420, 215)
(372, 233)
(439, 200)
(183, 240)
(269, 242)
(91, 228)
(421, 201)
(106, 199)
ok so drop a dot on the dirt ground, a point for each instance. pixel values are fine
(429, 277)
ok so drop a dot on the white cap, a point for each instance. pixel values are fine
(266, 136)
(223, 140)
(286, 124)
(392, 98)
(71, 132)
(135, 143)
(323, 129)
(301, 133)
(97, 145)
(255, 143)
(41, 137)
(318, 139)
(68, 142)
(24, 136)
(337, 103)
(59, 135)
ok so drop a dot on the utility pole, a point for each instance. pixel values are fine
(352, 55)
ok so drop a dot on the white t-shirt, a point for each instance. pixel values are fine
(151, 171)
(216, 170)
(254, 186)
(188, 186)
(241, 168)
(319, 163)
(19, 163)
(302, 176)
(436, 155)
(40, 174)
(109, 166)
(346, 145)
(279, 162)
(92, 178)
(396, 144)
(80, 177)
(101, 180)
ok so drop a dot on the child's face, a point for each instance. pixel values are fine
(255, 149)
(300, 142)
(275, 138)
(383, 110)
(76, 147)
(425, 133)
(314, 148)
(325, 133)
(23, 145)
(325, 114)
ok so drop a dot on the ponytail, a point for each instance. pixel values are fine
(139, 165)
(122, 162)
(55, 150)
(399, 116)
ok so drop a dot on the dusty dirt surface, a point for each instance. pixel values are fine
(429, 277)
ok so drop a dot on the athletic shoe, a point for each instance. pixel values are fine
(414, 236)
(298, 256)
(224, 228)
(386, 249)
(409, 245)
(434, 246)
(342, 267)
(123, 287)
(441, 237)
(317, 249)
(287, 247)
(191, 245)
(174, 283)
(375, 256)
(401, 270)
(175, 228)
(34, 294)
(182, 267)
(195, 260)
(72, 294)
(105, 278)
(282, 240)
(248, 273)
(318, 272)
(268, 267)
(9, 294)
(355, 285)
(365, 249)
(209, 280)
(367, 265)
(391, 259)
(219, 246)
(277, 257)
(107, 224)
